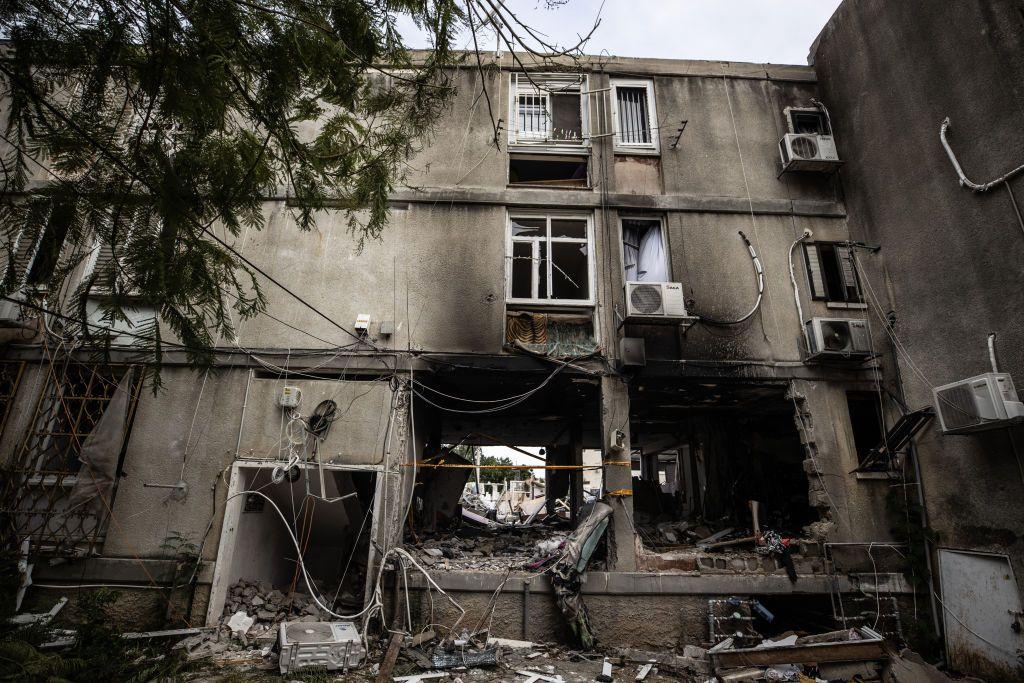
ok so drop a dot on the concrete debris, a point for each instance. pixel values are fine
(695, 667)
(268, 607)
(489, 549)
(641, 673)
(240, 623)
(909, 667)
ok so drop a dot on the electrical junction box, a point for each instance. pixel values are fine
(331, 645)
(290, 397)
(363, 323)
(633, 352)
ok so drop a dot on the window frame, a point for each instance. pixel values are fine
(652, 147)
(847, 300)
(548, 216)
(664, 243)
(518, 85)
(875, 400)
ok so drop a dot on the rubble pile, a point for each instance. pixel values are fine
(488, 550)
(267, 607)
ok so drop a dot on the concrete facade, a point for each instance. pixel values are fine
(948, 272)
(438, 276)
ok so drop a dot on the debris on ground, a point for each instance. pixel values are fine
(490, 549)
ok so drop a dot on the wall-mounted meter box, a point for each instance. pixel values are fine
(290, 397)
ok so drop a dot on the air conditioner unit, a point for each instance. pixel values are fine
(808, 152)
(987, 401)
(838, 339)
(327, 645)
(656, 302)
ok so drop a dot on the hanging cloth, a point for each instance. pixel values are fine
(102, 449)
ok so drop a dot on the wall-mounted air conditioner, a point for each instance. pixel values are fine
(808, 152)
(987, 401)
(656, 302)
(838, 339)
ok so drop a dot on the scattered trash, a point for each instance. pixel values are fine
(534, 677)
(449, 659)
(642, 672)
(606, 672)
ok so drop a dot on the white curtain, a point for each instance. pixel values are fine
(652, 266)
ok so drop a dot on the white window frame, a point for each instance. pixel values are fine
(547, 216)
(542, 85)
(652, 147)
(664, 242)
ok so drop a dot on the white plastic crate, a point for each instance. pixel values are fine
(332, 645)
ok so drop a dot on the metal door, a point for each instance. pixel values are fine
(981, 610)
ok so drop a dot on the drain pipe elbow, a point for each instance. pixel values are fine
(796, 290)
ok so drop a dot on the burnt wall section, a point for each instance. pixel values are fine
(949, 265)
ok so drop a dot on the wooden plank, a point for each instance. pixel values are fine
(852, 651)
(390, 657)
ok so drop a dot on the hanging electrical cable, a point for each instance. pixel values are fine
(759, 272)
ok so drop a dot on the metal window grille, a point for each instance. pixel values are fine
(634, 120)
(533, 117)
(35, 489)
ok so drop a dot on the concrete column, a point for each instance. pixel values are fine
(615, 417)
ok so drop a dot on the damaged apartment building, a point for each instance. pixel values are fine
(673, 284)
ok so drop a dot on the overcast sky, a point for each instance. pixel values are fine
(776, 31)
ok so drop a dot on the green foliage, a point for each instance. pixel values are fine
(496, 476)
(100, 654)
(157, 125)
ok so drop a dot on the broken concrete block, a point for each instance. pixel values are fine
(258, 601)
(240, 623)
(265, 615)
(694, 652)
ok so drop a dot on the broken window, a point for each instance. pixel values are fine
(809, 122)
(549, 259)
(643, 250)
(547, 110)
(547, 170)
(633, 115)
(38, 484)
(867, 424)
(831, 272)
(558, 335)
